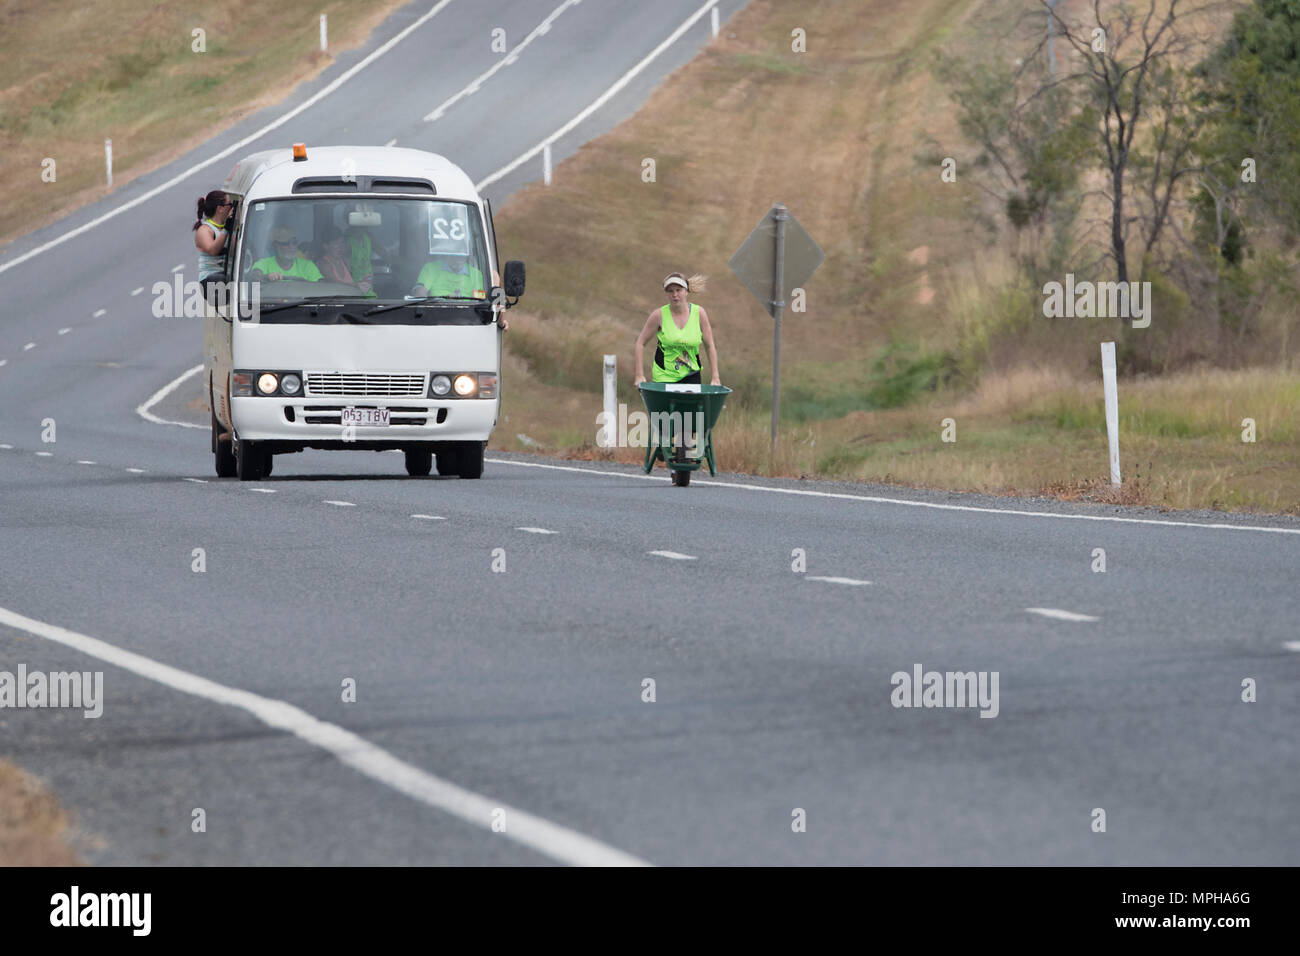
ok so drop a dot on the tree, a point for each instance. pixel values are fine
(1250, 153)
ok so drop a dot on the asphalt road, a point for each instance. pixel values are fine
(525, 687)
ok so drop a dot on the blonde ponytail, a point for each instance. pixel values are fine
(696, 284)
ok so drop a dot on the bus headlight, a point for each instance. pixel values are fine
(465, 385)
(267, 383)
(440, 385)
(290, 384)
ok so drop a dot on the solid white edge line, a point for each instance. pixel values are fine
(1060, 615)
(600, 101)
(511, 56)
(143, 408)
(234, 148)
(874, 499)
(551, 839)
(833, 580)
(143, 411)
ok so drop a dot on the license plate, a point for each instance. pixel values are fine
(371, 417)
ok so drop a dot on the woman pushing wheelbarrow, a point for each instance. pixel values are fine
(682, 409)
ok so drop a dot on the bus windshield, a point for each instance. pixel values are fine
(365, 250)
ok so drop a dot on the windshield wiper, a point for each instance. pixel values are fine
(396, 305)
(293, 305)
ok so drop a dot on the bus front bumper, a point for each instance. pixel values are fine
(317, 422)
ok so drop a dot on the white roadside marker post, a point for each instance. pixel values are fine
(1112, 408)
(713, 20)
(323, 44)
(546, 164)
(611, 400)
(108, 159)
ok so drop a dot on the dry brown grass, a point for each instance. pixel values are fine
(33, 827)
(77, 74)
(843, 135)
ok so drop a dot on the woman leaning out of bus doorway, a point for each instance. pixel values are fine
(210, 234)
(681, 327)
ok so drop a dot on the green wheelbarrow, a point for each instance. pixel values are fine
(681, 426)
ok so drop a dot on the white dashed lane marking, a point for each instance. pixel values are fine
(98, 312)
(535, 530)
(6, 447)
(1292, 645)
(82, 461)
(136, 471)
(197, 481)
(45, 454)
(137, 291)
(29, 346)
(178, 268)
(64, 331)
(265, 491)
(1061, 615)
(829, 580)
(430, 517)
(674, 555)
(341, 504)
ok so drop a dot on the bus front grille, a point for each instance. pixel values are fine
(365, 383)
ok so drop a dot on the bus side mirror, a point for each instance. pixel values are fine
(514, 279)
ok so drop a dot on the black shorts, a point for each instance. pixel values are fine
(692, 379)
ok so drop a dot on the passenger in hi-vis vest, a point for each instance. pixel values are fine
(682, 327)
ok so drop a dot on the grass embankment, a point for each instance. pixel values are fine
(33, 827)
(914, 317)
(76, 74)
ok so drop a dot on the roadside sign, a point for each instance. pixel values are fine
(778, 257)
(754, 262)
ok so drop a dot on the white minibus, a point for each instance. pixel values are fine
(360, 308)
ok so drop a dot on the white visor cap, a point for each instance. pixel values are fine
(676, 280)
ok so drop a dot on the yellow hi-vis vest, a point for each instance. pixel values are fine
(678, 354)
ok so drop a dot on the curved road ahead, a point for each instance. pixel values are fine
(502, 716)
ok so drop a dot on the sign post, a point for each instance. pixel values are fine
(1112, 408)
(777, 257)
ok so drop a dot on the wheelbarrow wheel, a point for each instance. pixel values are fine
(681, 478)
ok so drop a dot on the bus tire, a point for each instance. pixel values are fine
(250, 461)
(469, 459)
(223, 452)
(419, 462)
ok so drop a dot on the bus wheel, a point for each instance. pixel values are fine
(223, 451)
(469, 460)
(419, 462)
(251, 464)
